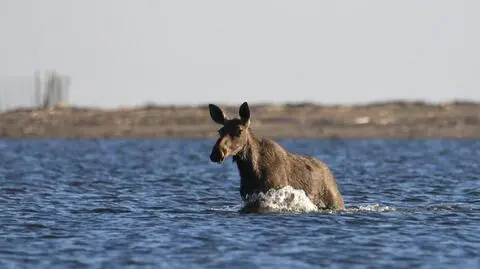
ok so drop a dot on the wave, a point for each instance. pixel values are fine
(286, 199)
(371, 208)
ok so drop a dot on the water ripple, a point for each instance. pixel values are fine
(162, 204)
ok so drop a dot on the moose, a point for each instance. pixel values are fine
(263, 164)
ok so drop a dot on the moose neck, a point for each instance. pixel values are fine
(247, 159)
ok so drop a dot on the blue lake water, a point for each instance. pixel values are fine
(163, 204)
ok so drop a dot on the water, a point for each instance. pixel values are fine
(162, 204)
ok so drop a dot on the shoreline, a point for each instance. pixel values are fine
(376, 120)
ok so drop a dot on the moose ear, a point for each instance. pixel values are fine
(217, 114)
(245, 112)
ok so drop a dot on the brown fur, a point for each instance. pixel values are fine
(264, 164)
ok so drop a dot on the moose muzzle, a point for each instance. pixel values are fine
(218, 153)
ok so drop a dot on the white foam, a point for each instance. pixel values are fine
(226, 208)
(286, 199)
(371, 208)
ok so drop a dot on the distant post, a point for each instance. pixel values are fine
(55, 90)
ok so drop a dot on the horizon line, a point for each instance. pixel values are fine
(153, 105)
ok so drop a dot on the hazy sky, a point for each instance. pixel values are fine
(130, 52)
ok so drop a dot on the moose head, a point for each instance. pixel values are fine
(234, 133)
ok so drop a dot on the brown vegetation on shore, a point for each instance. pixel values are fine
(399, 119)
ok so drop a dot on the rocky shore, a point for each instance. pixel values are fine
(304, 120)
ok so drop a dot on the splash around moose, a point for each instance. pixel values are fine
(263, 164)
